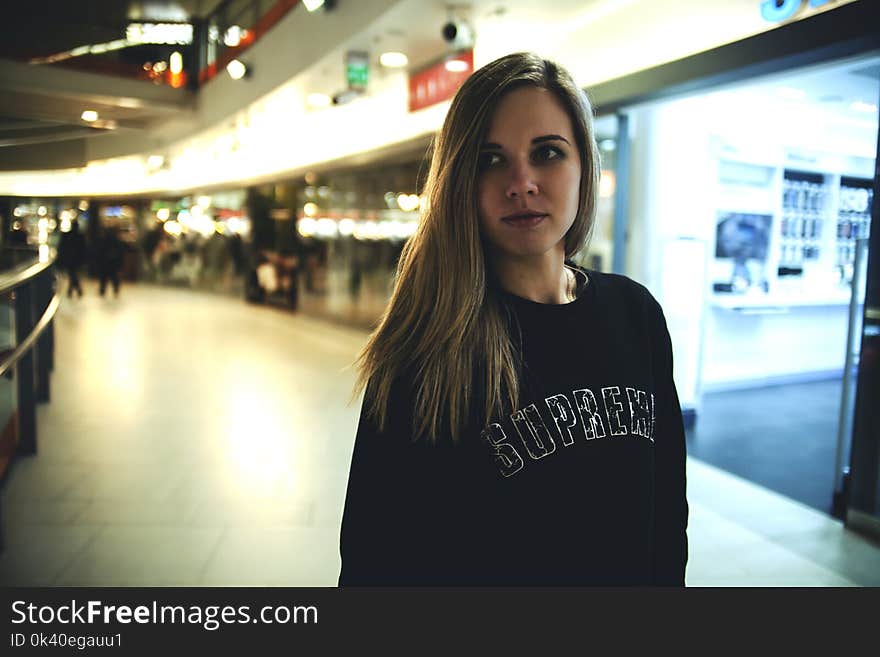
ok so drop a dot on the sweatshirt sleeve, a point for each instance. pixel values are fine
(670, 499)
(382, 537)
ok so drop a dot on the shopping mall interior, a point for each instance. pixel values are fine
(256, 168)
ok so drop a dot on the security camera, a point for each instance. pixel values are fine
(450, 31)
(457, 33)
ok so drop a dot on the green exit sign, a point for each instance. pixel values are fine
(357, 69)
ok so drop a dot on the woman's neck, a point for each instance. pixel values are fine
(543, 279)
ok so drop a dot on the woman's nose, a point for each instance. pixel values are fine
(521, 182)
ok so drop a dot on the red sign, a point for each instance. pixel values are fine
(438, 83)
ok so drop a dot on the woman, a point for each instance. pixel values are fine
(520, 423)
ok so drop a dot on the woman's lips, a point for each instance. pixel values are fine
(526, 221)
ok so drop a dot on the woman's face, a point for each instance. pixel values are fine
(529, 175)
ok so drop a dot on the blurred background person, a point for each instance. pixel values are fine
(71, 256)
(108, 260)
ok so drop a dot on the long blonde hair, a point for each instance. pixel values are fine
(445, 333)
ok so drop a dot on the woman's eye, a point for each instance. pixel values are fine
(547, 153)
(488, 160)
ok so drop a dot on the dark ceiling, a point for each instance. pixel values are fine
(45, 27)
(43, 102)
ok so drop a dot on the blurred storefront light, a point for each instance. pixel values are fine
(346, 227)
(408, 202)
(238, 225)
(233, 36)
(176, 63)
(326, 228)
(606, 184)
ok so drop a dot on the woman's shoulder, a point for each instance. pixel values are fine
(618, 286)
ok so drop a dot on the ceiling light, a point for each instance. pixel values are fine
(456, 66)
(236, 69)
(861, 106)
(312, 5)
(89, 115)
(319, 100)
(176, 63)
(393, 59)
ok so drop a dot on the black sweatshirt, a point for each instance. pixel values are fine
(584, 484)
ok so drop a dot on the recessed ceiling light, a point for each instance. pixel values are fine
(312, 5)
(236, 69)
(393, 59)
(862, 106)
(89, 115)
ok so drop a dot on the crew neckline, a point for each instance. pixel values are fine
(583, 289)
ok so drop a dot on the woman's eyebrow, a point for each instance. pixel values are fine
(536, 140)
(543, 138)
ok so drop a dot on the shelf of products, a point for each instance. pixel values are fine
(853, 221)
(786, 236)
(805, 199)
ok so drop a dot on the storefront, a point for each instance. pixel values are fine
(749, 190)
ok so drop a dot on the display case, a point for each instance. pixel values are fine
(785, 233)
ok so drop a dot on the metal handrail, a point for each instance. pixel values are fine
(11, 279)
(39, 327)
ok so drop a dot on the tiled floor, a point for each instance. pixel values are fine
(195, 440)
